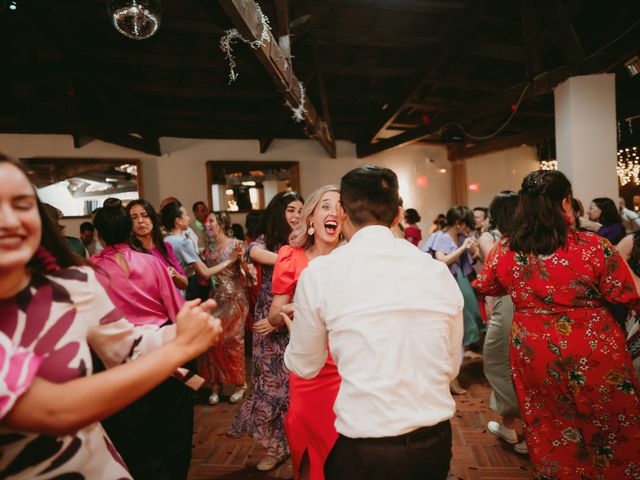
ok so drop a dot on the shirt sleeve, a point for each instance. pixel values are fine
(172, 258)
(189, 253)
(306, 353)
(284, 277)
(443, 243)
(615, 281)
(487, 282)
(19, 367)
(169, 294)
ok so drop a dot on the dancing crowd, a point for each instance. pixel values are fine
(359, 325)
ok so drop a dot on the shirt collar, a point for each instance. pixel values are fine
(372, 231)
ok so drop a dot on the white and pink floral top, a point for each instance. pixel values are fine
(46, 330)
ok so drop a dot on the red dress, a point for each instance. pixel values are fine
(572, 373)
(413, 234)
(310, 419)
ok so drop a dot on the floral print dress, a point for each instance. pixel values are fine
(572, 373)
(262, 414)
(44, 331)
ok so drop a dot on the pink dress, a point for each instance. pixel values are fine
(310, 419)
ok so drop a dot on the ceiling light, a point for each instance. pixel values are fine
(633, 66)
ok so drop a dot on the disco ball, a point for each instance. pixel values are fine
(136, 19)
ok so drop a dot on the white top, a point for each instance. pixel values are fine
(393, 318)
(630, 220)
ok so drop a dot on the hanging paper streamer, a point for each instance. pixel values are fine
(299, 111)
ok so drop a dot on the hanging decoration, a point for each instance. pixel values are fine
(136, 19)
(232, 35)
(628, 167)
(299, 111)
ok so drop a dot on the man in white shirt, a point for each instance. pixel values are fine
(392, 317)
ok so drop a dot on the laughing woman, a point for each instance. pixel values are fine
(53, 310)
(310, 418)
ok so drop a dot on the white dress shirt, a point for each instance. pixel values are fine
(393, 319)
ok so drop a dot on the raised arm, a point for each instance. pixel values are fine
(60, 409)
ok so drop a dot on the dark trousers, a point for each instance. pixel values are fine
(154, 434)
(423, 454)
(196, 290)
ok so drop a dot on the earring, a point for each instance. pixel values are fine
(311, 231)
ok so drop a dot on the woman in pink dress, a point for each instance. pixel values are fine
(147, 238)
(53, 310)
(224, 361)
(310, 419)
(152, 443)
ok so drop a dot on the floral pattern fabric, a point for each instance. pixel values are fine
(573, 376)
(262, 414)
(51, 318)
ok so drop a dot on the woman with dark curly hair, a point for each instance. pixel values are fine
(572, 373)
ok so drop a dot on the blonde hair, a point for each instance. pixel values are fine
(300, 236)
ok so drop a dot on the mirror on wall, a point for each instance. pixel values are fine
(78, 186)
(245, 186)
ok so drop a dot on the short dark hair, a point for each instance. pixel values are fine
(238, 231)
(610, 213)
(253, 223)
(540, 226)
(369, 194)
(195, 205)
(484, 210)
(275, 227)
(501, 211)
(412, 216)
(460, 214)
(169, 214)
(87, 227)
(114, 224)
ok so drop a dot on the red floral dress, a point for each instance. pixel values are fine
(572, 373)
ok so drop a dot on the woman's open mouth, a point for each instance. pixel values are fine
(331, 226)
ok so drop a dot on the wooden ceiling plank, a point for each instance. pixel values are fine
(412, 6)
(452, 41)
(244, 14)
(562, 31)
(540, 85)
(502, 143)
(373, 40)
(529, 31)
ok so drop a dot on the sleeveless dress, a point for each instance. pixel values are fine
(573, 376)
(310, 419)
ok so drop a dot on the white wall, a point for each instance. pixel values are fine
(181, 170)
(497, 171)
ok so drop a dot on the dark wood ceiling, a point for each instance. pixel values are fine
(387, 68)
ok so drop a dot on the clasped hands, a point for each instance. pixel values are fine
(264, 327)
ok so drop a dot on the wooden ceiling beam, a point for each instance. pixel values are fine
(529, 32)
(501, 51)
(540, 85)
(244, 14)
(369, 39)
(453, 40)
(562, 31)
(355, 70)
(443, 7)
(501, 143)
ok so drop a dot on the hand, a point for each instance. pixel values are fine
(263, 327)
(468, 243)
(172, 272)
(287, 321)
(196, 329)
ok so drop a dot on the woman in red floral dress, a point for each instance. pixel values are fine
(572, 373)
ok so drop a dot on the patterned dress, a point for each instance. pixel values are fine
(262, 414)
(45, 328)
(572, 373)
(224, 361)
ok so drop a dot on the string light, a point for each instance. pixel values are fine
(628, 166)
(549, 165)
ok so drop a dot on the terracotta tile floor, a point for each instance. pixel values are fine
(476, 453)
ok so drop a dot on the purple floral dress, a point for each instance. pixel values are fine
(262, 414)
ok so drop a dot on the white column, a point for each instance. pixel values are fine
(585, 114)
